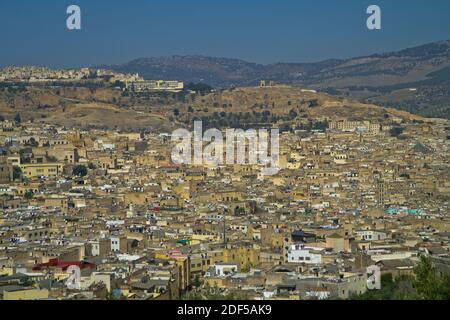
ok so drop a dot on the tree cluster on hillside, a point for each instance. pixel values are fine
(427, 284)
(201, 88)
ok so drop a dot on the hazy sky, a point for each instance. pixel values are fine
(116, 31)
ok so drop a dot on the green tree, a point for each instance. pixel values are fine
(80, 171)
(18, 118)
(17, 173)
(293, 114)
(201, 88)
(29, 195)
(396, 132)
(197, 282)
(32, 143)
(428, 284)
(400, 288)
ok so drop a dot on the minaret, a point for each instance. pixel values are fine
(224, 228)
(318, 218)
(131, 212)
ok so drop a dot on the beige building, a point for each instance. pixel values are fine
(25, 294)
(42, 170)
(6, 170)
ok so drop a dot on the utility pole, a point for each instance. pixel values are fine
(224, 229)
(224, 217)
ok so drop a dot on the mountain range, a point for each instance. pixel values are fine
(415, 79)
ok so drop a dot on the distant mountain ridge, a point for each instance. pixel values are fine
(375, 78)
(218, 72)
(224, 72)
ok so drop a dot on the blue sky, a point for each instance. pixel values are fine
(116, 31)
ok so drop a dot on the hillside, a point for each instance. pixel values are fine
(78, 107)
(284, 106)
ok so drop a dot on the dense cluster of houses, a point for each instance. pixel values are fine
(113, 207)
